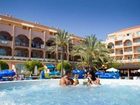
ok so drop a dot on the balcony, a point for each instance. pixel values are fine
(128, 53)
(37, 58)
(119, 38)
(5, 57)
(127, 37)
(136, 60)
(49, 60)
(125, 61)
(38, 46)
(21, 44)
(136, 52)
(21, 58)
(119, 54)
(112, 54)
(118, 46)
(136, 44)
(5, 43)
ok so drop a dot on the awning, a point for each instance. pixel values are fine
(50, 66)
(129, 66)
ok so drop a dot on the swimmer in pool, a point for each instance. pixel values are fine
(66, 80)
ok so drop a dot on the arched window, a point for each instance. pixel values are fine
(110, 45)
(127, 43)
(22, 40)
(37, 42)
(5, 36)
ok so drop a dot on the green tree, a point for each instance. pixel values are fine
(92, 52)
(66, 66)
(3, 65)
(30, 65)
(62, 41)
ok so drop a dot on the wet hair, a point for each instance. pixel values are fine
(91, 72)
(67, 72)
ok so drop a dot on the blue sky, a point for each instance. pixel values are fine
(80, 17)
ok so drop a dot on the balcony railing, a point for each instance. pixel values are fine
(112, 54)
(38, 46)
(21, 44)
(119, 54)
(5, 43)
(118, 46)
(128, 53)
(49, 60)
(136, 60)
(136, 43)
(136, 52)
(36, 58)
(4, 56)
(125, 61)
(22, 58)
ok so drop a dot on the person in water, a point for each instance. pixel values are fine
(76, 81)
(67, 80)
(92, 80)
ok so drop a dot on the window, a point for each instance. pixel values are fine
(138, 33)
(138, 49)
(51, 33)
(129, 57)
(138, 57)
(128, 34)
(2, 52)
(24, 27)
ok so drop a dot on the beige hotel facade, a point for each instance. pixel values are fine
(125, 45)
(21, 41)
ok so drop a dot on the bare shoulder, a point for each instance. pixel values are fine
(62, 81)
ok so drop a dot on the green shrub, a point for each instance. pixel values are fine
(3, 65)
(66, 66)
(30, 65)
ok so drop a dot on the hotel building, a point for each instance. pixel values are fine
(125, 45)
(21, 41)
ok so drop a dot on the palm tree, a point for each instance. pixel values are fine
(92, 52)
(62, 40)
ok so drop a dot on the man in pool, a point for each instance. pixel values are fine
(67, 80)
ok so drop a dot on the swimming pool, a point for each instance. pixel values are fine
(48, 92)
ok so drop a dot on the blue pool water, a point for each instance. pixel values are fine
(50, 93)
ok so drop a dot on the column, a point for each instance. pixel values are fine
(128, 74)
(30, 42)
(44, 52)
(68, 51)
(13, 41)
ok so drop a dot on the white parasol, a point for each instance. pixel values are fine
(112, 70)
(35, 70)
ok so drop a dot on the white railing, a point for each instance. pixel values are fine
(24, 58)
(118, 54)
(49, 60)
(41, 59)
(7, 43)
(136, 60)
(136, 43)
(118, 46)
(112, 54)
(127, 53)
(126, 61)
(9, 57)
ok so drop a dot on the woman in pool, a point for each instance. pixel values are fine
(92, 79)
